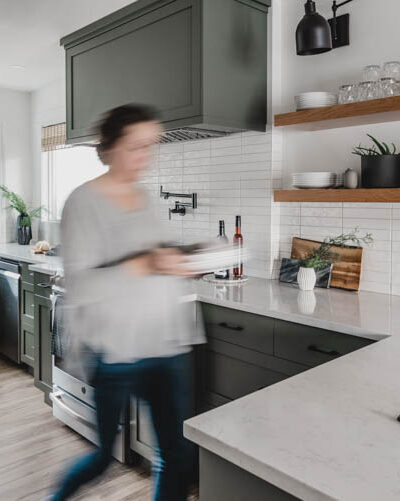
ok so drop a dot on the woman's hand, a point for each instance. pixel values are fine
(162, 262)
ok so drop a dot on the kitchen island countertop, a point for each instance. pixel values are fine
(329, 433)
(22, 253)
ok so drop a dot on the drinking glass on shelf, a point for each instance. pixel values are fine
(345, 93)
(392, 70)
(367, 91)
(348, 93)
(390, 87)
(372, 73)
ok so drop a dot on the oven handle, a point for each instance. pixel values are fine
(10, 274)
(56, 398)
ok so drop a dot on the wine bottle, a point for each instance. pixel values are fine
(238, 242)
(222, 274)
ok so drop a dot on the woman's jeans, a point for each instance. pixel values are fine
(166, 385)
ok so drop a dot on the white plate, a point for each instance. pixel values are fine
(215, 259)
(314, 176)
(314, 187)
(316, 100)
(307, 94)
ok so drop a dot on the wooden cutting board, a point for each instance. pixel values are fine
(346, 273)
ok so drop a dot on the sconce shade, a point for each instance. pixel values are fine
(313, 34)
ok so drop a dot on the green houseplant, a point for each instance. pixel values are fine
(25, 214)
(380, 164)
(323, 256)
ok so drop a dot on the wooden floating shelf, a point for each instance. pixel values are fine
(381, 195)
(343, 115)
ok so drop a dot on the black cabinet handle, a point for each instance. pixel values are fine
(324, 351)
(231, 327)
(44, 286)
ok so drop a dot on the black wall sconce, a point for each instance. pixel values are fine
(316, 35)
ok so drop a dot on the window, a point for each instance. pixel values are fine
(64, 168)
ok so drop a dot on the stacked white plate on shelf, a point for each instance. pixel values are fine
(314, 180)
(308, 100)
(339, 180)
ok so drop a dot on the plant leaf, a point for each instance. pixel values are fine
(378, 144)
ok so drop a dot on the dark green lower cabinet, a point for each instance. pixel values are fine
(43, 358)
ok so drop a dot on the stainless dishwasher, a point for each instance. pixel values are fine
(10, 278)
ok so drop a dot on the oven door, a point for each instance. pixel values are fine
(73, 404)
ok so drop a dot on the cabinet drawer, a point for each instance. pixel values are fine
(232, 378)
(254, 332)
(311, 346)
(26, 274)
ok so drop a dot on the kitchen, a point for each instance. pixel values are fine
(298, 397)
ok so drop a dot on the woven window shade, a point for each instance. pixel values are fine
(54, 137)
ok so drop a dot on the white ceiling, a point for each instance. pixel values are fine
(30, 31)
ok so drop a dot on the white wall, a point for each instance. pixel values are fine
(48, 108)
(15, 153)
(375, 38)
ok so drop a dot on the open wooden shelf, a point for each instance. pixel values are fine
(343, 115)
(384, 195)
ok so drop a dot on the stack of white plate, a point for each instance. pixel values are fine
(308, 100)
(339, 180)
(310, 180)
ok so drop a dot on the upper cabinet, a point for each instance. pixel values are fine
(202, 63)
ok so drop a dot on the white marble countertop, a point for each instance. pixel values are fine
(331, 432)
(365, 314)
(40, 262)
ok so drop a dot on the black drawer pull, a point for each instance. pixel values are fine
(231, 327)
(324, 351)
(44, 286)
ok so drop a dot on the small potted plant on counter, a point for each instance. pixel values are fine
(25, 217)
(323, 256)
(380, 165)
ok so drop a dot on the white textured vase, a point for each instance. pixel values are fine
(306, 278)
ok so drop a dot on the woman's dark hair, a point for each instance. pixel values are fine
(111, 127)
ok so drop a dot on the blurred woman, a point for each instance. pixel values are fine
(127, 323)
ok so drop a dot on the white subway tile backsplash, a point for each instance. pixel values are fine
(367, 224)
(321, 212)
(237, 174)
(367, 213)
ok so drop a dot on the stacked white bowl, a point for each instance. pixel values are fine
(314, 180)
(308, 100)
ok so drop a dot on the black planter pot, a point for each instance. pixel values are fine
(381, 171)
(24, 233)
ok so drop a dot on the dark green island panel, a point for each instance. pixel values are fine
(190, 58)
(42, 335)
(221, 480)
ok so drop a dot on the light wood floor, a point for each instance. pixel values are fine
(35, 448)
